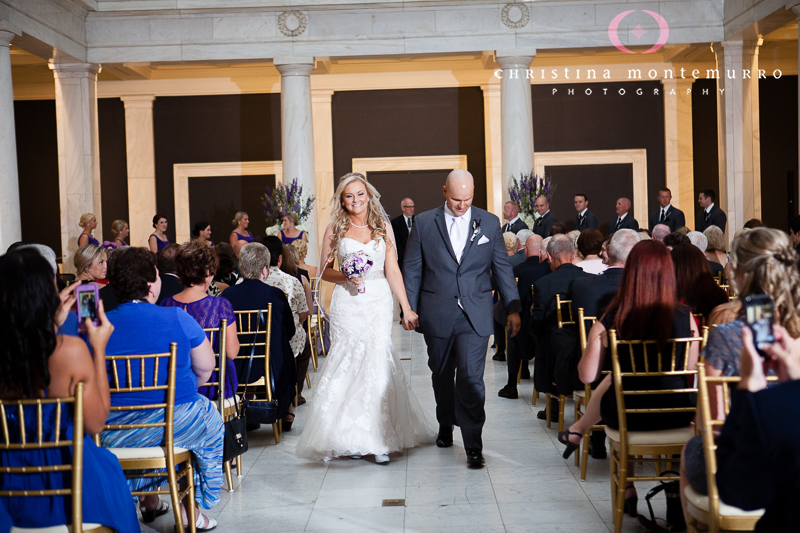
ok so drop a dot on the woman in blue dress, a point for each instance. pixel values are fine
(241, 221)
(38, 363)
(87, 223)
(158, 239)
(120, 230)
(290, 233)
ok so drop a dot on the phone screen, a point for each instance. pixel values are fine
(759, 316)
(87, 304)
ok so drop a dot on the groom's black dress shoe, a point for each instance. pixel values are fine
(445, 438)
(509, 391)
(474, 457)
(499, 356)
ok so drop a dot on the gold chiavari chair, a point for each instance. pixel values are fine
(706, 511)
(582, 397)
(628, 446)
(225, 406)
(562, 399)
(45, 440)
(125, 370)
(316, 325)
(249, 329)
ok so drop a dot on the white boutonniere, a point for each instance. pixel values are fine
(476, 230)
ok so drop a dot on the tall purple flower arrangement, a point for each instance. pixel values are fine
(284, 199)
(528, 188)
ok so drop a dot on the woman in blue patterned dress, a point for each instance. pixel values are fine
(37, 362)
(196, 265)
(87, 223)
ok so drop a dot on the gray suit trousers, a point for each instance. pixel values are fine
(458, 363)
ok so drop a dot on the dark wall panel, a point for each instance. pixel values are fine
(778, 117)
(37, 162)
(211, 129)
(422, 186)
(216, 199)
(704, 138)
(601, 121)
(411, 122)
(113, 162)
(602, 185)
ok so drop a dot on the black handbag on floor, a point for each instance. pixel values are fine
(259, 411)
(675, 520)
(235, 432)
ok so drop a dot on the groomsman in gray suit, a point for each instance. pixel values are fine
(666, 214)
(451, 254)
(585, 219)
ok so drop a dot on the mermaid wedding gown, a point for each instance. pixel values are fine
(363, 404)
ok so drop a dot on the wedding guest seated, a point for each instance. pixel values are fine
(659, 232)
(302, 252)
(170, 282)
(141, 327)
(590, 242)
(196, 264)
(290, 233)
(510, 241)
(715, 251)
(533, 246)
(753, 223)
(698, 239)
(674, 239)
(558, 228)
(573, 238)
(227, 272)
(252, 294)
(645, 234)
(87, 223)
(696, 287)
(39, 363)
(240, 222)
(90, 264)
(683, 230)
(646, 307)
(120, 231)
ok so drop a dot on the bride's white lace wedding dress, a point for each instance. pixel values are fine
(363, 404)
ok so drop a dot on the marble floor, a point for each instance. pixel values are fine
(526, 486)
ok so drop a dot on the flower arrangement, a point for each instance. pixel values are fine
(527, 190)
(356, 264)
(285, 199)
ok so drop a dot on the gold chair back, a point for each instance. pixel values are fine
(560, 314)
(583, 401)
(41, 442)
(217, 337)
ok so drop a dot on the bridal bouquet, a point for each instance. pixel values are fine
(356, 264)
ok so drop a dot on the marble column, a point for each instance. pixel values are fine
(10, 222)
(739, 140)
(78, 151)
(492, 125)
(297, 135)
(517, 116)
(678, 143)
(141, 166)
(323, 161)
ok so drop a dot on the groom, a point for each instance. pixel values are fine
(451, 254)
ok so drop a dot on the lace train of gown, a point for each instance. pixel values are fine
(363, 403)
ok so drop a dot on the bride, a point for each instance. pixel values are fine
(363, 404)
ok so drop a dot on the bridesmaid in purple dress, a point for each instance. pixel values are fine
(88, 222)
(120, 231)
(241, 221)
(290, 233)
(158, 240)
(202, 233)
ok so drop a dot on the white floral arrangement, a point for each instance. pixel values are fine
(277, 228)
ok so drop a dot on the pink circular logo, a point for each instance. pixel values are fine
(613, 31)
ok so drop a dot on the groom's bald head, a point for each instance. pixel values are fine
(459, 190)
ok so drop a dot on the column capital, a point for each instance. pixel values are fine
(321, 96)
(7, 32)
(294, 66)
(139, 101)
(74, 70)
(515, 58)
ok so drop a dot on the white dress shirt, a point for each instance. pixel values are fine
(664, 211)
(408, 222)
(457, 229)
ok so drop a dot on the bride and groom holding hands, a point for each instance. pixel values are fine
(363, 403)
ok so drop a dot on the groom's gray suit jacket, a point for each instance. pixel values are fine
(435, 281)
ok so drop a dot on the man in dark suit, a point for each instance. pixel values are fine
(543, 323)
(666, 214)
(170, 282)
(511, 214)
(402, 227)
(520, 348)
(710, 214)
(546, 218)
(585, 219)
(533, 246)
(516, 261)
(624, 218)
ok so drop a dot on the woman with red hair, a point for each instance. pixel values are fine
(645, 308)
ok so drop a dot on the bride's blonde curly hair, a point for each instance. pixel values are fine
(340, 219)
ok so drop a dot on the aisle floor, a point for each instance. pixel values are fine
(526, 486)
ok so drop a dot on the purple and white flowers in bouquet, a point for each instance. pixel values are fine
(356, 264)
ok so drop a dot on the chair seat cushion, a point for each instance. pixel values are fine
(153, 452)
(698, 506)
(579, 395)
(53, 529)
(649, 438)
